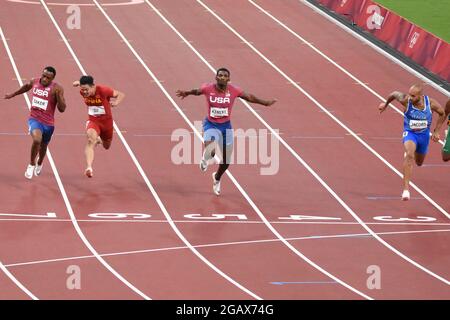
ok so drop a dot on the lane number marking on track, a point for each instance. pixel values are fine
(112, 215)
(417, 219)
(218, 216)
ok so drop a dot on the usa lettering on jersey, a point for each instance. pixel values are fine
(40, 92)
(39, 102)
(219, 99)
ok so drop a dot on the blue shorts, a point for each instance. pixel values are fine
(421, 139)
(219, 132)
(47, 131)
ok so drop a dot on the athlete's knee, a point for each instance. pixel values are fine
(91, 141)
(37, 140)
(409, 157)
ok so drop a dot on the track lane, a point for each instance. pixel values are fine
(86, 198)
(195, 41)
(34, 240)
(362, 62)
(428, 176)
(170, 113)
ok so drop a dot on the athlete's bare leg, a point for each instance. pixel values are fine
(92, 136)
(36, 135)
(208, 154)
(446, 148)
(445, 156)
(420, 158)
(227, 151)
(42, 153)
(408, 162)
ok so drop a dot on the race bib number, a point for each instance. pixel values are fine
(218, 112)
(418, 124)
(96, 111)
(39, 103)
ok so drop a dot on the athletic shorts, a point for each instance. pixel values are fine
(421, 139)
(47, 131)
(446, 148)
(219, 132)
(104, 128)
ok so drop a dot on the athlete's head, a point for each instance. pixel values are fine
(415, 93)
(222, 76)
(87, 86)
(48, 74)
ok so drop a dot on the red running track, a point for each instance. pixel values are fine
(412, 255)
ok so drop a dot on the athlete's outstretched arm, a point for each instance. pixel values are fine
(254, 99)
(60, 101)
(183, 94)
(436, 107)
(396, 95)
(118, 95)
(25, 88)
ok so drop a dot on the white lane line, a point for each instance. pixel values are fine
(355, 216)
(64, 194)
(223, 244)
(296, 35)
(379, 50)
(130, 2)
(246, 196)
(310, 97)
(2, 267)
(141, 171)
(17, 282)
(59, 182)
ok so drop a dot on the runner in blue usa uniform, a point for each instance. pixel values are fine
(417, 110)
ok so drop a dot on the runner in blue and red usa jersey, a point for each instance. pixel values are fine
(46, 97)
(417, 109)
(220, 97)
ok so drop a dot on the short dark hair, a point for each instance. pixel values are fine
(223, 69)
(87, 80)
(51, 69)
